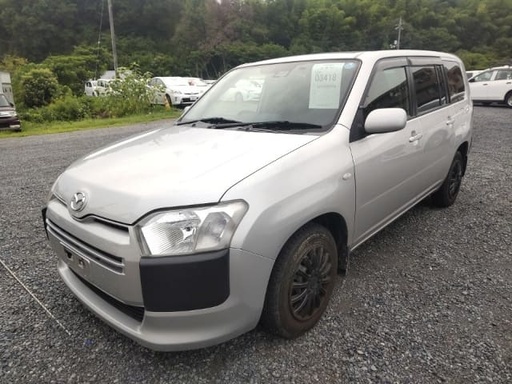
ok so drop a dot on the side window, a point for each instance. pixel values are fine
(504, 74)
(484, 76)
(388, 89)
(456, 87)
(427, 88)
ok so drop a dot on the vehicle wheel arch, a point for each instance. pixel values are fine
(169, 99)
(337, 226)
(464, 149)
(508, 98)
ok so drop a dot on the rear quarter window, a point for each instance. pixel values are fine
(456, 85)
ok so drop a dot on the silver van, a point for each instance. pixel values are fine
(245, 209)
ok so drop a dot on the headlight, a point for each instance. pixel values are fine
(190, 230)
(176, 92)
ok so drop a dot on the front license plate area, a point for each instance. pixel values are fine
(76, 262)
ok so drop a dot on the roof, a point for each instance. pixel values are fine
(363, 55)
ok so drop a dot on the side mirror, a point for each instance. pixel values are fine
(385, 120)
(185, 110)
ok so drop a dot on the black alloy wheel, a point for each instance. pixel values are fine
(310, 283)
(447, 193)
(301, 283)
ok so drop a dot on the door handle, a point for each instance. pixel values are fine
(415, 137)
(450, 121)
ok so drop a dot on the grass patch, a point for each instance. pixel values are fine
(31, 129)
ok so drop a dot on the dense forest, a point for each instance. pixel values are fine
(207, 37)
(51, 47)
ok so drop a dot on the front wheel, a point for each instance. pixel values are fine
(508, 99)
(301, 283)
(168, 100)
(447, 193)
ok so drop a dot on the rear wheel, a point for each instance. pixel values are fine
(302, 282)
(447, 193)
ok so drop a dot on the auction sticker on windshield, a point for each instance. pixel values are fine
(324, 92)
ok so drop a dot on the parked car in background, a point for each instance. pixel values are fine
(9, 119)
(200, 84)
(174, 90)
(100, 87)
(492, 85)
(103, 87)
(471, 74)
(89, 87)
(244, 90)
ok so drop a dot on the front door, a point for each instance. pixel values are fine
(386, 165)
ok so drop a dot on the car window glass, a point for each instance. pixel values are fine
(484, 76)
(504, 74)
(388, 89)
(3, 101)
(456, 87)
(427, 88)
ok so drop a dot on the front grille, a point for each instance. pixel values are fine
(73, 244)
(136, 313)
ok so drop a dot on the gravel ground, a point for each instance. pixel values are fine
(428, 300)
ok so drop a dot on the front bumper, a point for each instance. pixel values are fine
(184, 99)
(10, 123)
(163, 303)
(183, 330)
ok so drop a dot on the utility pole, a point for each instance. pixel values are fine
(399, 27)
(112, 35)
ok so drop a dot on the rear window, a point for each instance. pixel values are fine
(427, 87)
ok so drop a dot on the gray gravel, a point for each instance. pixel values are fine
(428, 300)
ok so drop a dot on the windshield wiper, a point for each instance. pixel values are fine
(283, 125)
(276, 125)
(215, 121)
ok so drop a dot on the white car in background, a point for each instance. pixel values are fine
(174, 90)
(244, 90)
(90, 87)
(200, 84)
(100, 87)
(492, 85)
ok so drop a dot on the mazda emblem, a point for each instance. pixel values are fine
(78, 201)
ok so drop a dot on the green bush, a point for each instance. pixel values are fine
(40, 87)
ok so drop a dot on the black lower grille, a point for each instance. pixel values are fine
(136, 313)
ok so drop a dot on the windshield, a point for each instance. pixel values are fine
(3, 101)
(309, 93)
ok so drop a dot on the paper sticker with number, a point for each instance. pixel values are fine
(325, 87)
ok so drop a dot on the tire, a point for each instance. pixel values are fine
(301, 283)
(508, 99)
(446, 195)
(169, 100)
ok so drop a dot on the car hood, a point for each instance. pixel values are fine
(170, 167)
